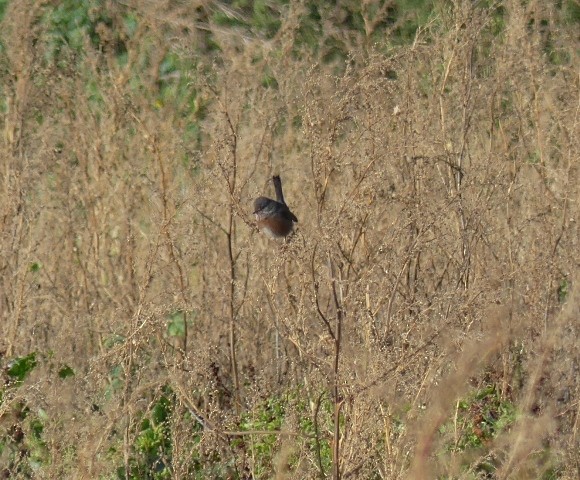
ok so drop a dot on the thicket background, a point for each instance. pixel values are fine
(421, 323)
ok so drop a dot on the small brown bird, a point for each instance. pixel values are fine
(274, 218)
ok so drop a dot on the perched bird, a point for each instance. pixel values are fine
(274, 217)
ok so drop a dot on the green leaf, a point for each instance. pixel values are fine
(35, 267)
(20, 367)
(176, 325)
(563, 290)
(66, 372)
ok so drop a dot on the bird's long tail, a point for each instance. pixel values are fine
(278, 188)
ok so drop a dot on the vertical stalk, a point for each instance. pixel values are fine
(338, 302)
(231, 180)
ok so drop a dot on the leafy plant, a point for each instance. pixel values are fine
(20, 367)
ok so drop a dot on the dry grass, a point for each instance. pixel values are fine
(436, 186)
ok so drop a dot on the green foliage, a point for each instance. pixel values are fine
(399, 20)
(483, 416)
(176, 325)
(309, 31)
(268, 416)
(571, 11)
(116, 381)
(153, 444)
(71, 23)
(23, 447)
(73, 28)
(35, 267)
(411, 14)
(269, 81)
(3, 5)
(315, 442)
(258, 16)
(563, 290)
(175, 87)
(65, 371)
(480, 418)
(20, 367)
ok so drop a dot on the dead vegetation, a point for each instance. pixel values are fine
(436, 185)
